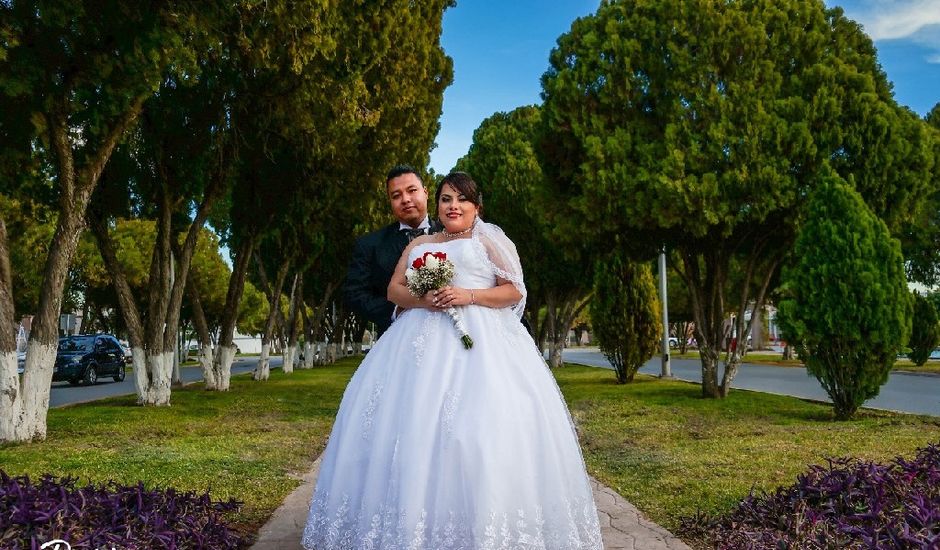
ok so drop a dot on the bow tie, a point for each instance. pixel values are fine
(414, 233)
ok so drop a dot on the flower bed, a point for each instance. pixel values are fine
(846, 504)
(109, 516)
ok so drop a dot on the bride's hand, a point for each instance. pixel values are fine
(451, 296)
(427, 301)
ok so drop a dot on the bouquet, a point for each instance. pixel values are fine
(430, 272)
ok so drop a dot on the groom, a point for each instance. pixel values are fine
(376, 254)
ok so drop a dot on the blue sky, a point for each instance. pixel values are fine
(500, 50)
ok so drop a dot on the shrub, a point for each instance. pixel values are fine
(625, 314)
(847, 305)
(925, 333)
(110, 515)
(847, 504)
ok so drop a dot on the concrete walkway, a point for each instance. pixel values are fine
(622, 525)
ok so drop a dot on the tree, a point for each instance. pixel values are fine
(847, 302)
(703, 126)
(369, 98)
(75, 76)
(625, 314)
(503, 160)
(925, 330)
(920, 236)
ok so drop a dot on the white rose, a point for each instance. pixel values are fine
(409, 274)
(432, 262)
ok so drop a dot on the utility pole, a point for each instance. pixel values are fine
(663, 299)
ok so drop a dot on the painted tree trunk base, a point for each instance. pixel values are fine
(177, 380)
(320, 359)
(329, 354)
(308, 357)
(263, 368)
(288, 359)
(208, 372)
(159, 370)
(222, 367)
(24, 406)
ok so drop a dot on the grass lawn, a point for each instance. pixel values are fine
(658, 443)
(251, 443)
(671, 452)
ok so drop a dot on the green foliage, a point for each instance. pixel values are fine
(925, 330)
(503, 161)
(920, 235)
(704, 125)
(847, 301)
(252, 311)
(625, 314)
(29, 229)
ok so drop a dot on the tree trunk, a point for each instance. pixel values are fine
(308, 338)
(290, 354)
(202, 334)
(263, 368)
(223, 366)
(319, 325)
(273, 292)
(555, 350)
(23, 407)
(707, 294)
(177, 376)
(225, 352)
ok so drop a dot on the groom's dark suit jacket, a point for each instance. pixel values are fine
(373, 263)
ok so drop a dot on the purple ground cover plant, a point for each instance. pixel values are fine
(110, 516)
(848, 503)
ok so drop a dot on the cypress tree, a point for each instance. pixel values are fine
(925, 332)
(847, 300)
(625, 314)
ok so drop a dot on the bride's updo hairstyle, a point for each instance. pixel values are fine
(464, 184)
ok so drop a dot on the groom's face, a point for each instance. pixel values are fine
(409, 199)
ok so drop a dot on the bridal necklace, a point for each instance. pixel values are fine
(458, 233)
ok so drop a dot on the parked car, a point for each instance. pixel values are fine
(87, 357)
(126, 348)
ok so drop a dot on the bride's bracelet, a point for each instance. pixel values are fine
(471, 298)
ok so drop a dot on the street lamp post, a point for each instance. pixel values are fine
(663, 298)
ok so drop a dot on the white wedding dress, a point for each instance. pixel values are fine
(441, 448)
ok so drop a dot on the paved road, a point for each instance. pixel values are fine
(912, 393)
(65, 394)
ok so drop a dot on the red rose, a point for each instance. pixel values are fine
(418, 263)
(440, 256)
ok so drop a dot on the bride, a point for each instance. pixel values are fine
(440, 447)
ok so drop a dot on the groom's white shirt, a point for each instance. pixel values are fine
(426, 224)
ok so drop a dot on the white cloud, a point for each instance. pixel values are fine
(935, 58)
(898, 19)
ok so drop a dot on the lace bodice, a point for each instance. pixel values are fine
(470, 271)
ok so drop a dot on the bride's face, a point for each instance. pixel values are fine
(455, 211)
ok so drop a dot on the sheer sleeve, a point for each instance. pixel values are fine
(498, 252)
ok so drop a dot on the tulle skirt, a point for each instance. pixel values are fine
(439, 447)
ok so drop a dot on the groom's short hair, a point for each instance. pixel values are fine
(400, 170)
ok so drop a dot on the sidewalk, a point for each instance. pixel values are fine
(622, 525)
